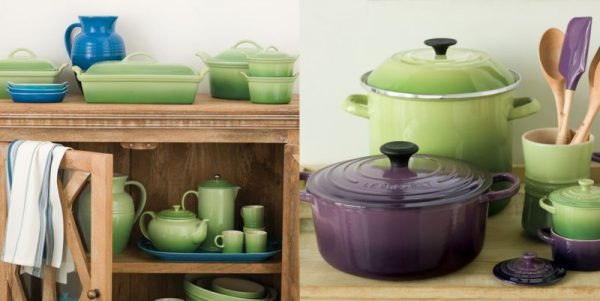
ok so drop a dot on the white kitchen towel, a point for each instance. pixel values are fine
(34, 227)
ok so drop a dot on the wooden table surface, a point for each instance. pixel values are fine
(504, 240)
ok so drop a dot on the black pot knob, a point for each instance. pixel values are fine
(399, 152)
(440, 45)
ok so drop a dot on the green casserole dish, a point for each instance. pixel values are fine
(139, 82)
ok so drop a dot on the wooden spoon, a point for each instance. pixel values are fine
(583, 132)
(550, 47)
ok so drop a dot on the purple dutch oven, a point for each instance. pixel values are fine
(405, 216)
(573, 254)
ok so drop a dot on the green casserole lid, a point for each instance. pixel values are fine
(441, 72)
(217, 182)
(271, 53)
(234, 56)
(585, 195)
(148, 66)
(22, 59)
(176, 212)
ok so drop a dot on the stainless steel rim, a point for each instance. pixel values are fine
(510, 87)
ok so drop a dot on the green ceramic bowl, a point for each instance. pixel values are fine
(271, 90)
(198, 289)
(238, 287)
(575, 210)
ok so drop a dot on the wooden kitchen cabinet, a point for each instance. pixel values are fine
(170, 149)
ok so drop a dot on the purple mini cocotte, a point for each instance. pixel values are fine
(402, 216)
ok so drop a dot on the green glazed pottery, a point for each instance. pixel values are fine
(455, 103)
(271, 90)
(232, 241)
(534, 217)
(550, 163)
(216, 202)
(253, 216)
(124, 214)
(238, 287)
(139, 81)
(23, 66)
(271, 63)
(575, 210)
(199, 289)
(256, 241)
(225, 78)
(174, 230)
(246, 229)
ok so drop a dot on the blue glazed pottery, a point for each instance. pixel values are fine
(37, 97)
(96, 42)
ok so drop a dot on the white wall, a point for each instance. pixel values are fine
(341, 39)
(171, 30)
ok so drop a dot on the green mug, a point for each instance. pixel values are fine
(256, 241)
(232, 241)
(550, 163)
(253, 216)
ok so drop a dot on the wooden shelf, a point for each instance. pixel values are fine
(133, 260)
(504, 240)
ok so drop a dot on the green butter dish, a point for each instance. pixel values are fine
(139, 82)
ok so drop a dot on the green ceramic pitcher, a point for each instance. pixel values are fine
(216, 202)
(124, 213)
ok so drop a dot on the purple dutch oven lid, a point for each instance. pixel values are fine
(529, 270)
(399, 178)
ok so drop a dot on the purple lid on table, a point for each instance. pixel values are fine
(529, 270)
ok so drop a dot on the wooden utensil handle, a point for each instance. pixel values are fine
(563, 130)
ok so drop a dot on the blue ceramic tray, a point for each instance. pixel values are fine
(37, 97)
(273, 248)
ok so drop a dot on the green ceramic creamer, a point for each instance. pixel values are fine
(216, 202)
(575, 210)
(174, 230)
(454, 103)
(124, 213)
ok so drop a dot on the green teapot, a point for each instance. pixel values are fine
(174, 230)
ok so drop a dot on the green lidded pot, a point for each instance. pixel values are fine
(216, 203)
(534, 217)
(575, 210)
(271, 63)
(452, 102)
(124, 213)
(174, 230)
(225, 78)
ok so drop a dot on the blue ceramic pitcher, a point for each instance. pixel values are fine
(96, 42)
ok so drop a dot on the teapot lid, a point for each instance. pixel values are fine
(176, 212)
(584, 195)
(217, 182)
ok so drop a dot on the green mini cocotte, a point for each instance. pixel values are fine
(575, 210)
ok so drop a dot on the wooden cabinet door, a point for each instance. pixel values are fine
(94, 271)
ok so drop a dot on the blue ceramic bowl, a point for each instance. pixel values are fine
(37, 97)
(38, 90)
(37, 86)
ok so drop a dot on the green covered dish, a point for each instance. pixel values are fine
(271, 90)
(23, 66)
(271, 63)
(140, 82)
(575, 210)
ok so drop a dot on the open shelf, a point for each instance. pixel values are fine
(133, 260)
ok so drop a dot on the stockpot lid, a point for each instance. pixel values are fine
(176, 213)
(440, 73)
(399, 178)
(584, 195)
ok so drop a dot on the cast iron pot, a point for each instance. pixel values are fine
(453, 102)
(404, 216)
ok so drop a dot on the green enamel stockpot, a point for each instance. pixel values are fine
(226, 79)
(575, 210)
(453, 102)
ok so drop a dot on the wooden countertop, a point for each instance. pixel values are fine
(504, 240)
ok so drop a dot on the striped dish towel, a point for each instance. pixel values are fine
(34, 226)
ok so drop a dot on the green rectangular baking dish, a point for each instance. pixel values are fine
(139, 82)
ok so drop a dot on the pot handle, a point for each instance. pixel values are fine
(304, 195)
(505, 193)
(546, 206)
(240, 43)
(357, 104)
(30, 54)
(545, 236)
(68, 38)
(523, 107)
(143, 224)
(149, 59)
(186, 194)
(143, 194)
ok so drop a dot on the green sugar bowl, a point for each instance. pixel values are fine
(174, 230)
(575, 210)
